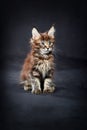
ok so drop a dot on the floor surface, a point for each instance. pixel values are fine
(65, 109)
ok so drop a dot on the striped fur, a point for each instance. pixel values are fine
(38, 68)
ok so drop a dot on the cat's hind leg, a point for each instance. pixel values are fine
(27, 85)
(49, 86)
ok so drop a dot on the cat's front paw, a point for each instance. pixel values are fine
(49, 89)
(36, 91)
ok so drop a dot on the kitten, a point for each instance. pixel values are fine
(38, 68)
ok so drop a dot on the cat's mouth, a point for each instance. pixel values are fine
(45, 52)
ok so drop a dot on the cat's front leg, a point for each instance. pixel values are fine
(36, 85)
(49, 86)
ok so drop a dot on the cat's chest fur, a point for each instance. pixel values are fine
(43, 66)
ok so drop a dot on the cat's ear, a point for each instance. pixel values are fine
(51, 32)
(35, 34)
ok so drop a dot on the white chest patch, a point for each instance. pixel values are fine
(44, 67)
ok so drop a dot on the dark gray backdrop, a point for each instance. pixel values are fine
(69, 18)
(66, 108)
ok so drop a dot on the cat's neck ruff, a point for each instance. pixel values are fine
(45, 57)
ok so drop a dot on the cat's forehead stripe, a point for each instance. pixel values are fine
(44, 36)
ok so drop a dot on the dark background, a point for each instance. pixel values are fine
(67, 107)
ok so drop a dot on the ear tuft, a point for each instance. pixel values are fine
(35, 34)
(51, 32)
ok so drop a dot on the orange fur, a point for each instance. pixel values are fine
(27, 67)
(37, 64)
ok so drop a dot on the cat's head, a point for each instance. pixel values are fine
(43, 43)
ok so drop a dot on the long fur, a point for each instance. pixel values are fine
(38, 67)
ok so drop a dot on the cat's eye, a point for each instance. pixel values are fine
(42, 43)
(50, 43)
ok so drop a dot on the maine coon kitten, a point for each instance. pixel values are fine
(38, 68)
